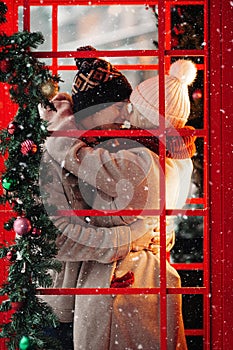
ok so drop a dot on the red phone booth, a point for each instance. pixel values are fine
(209, 288)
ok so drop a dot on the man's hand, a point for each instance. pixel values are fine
(145, 241)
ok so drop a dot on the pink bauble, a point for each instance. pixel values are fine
(22, 226)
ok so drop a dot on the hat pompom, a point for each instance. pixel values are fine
(184, 70)
(82, 61)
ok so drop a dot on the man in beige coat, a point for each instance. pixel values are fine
(105, 322)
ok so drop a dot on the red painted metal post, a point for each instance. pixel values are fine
(162, 189)
(26, 15)
(54, 38)
(227, 151)
(206, 238)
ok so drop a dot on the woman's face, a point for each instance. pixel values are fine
(111, 117)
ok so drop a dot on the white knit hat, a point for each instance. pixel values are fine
(145, 97)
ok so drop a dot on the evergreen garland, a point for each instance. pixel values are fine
(33, 251)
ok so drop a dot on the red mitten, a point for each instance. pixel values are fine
(124, 281)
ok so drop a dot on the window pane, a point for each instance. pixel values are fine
(40, 21)
(189, 33)
(193, 311)
(106, 27)
(188, 247)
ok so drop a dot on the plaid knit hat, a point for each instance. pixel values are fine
(97, 82)
(145, 97)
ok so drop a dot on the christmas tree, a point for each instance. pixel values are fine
(33, 250)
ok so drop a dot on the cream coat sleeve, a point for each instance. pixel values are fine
(77, 241)
(105, 245)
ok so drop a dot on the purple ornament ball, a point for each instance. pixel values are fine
(22, 226)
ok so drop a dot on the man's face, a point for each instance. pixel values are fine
(108, 118)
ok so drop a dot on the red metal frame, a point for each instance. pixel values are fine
(217, 263)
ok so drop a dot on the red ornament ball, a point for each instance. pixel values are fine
(11, 255)
(17, 305)
(12, 128)
(5, 66)
(22, 226)
(28, 147)
(197, 94)
(36, 231)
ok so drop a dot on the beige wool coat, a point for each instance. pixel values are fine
(91, 255)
